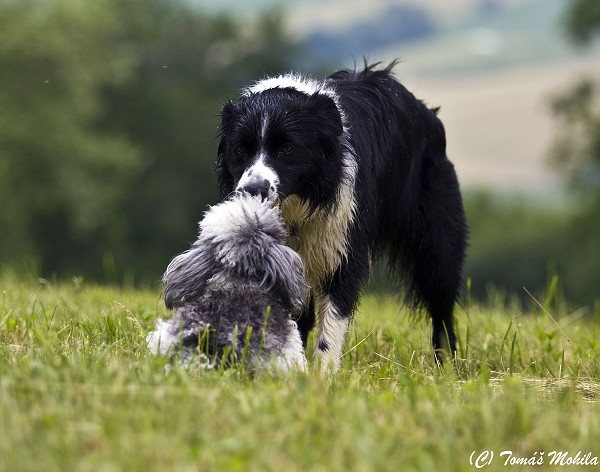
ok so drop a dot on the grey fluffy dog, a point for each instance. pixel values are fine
(236, 291)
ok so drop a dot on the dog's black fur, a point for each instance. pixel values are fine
(360, 167)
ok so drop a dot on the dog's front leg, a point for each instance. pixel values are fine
(336, 299)
(332, 327)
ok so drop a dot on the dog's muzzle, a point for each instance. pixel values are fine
(257, 187)
(260, 180)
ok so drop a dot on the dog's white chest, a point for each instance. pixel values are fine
(319, 237)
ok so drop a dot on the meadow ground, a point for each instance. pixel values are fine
(79, 391)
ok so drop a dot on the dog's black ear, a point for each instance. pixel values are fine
(224, 177)
(325, 117)
(229, 119)
(284, 276)
(326, 112)
(228, 111)
(187, 275)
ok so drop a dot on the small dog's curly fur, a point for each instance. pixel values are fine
(237, 288)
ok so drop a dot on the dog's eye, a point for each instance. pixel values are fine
(286, 149)
(239, 149)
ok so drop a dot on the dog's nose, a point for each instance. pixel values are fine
(257, 187)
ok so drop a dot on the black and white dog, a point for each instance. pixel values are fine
(237, 289)
(360, 168)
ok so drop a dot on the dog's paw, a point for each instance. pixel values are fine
(161, 340)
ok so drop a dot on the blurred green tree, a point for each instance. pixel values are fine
(169, 107)
(582, 20)
(517, 244)
(60, 178)
(576, 156)
(576, 150)
(108, 118)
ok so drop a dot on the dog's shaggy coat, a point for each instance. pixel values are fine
(237, 289)
(360, 167)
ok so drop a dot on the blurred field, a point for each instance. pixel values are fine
(499, 124)
(79, 391)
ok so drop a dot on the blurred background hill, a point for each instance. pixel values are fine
(109, 115)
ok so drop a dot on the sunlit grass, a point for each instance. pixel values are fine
(79, 391)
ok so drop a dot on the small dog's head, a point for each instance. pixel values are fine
(241, 242)
(281, 138)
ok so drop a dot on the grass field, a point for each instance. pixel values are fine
(79, 391)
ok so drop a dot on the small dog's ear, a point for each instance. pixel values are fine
(284, 276)
(187, 276)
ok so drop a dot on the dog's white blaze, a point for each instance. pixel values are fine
(332, 331)
(264, 126)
